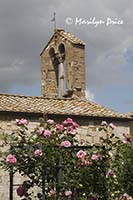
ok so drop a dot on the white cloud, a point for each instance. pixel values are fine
(89, 95)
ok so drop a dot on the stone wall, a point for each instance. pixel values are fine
(7, 123)
(74, 59)
(88, 131)
(131, 127)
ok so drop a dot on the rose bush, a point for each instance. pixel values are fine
(53, 155)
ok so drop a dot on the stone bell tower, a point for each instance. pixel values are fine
(63, 66)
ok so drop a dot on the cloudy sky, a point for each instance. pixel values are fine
(25, 28)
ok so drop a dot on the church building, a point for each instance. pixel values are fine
(63, 95)
(63, 92)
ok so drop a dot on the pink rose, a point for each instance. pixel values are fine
(66, 143)
(68, 121)
(52, 193)
(59, 127)
(112, 126)
(81, 154)
(21, 191)
(125, 197)
(50, 121)
(38, 152)
(69, 128)
(11, 159)
(95, 157)
(68, 193)
(47, 133)
(22, 122)
(41, 130)
(75, 125)
(86, 162)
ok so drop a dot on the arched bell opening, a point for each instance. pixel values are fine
(62, 69)
(61, 50)
(55, 63)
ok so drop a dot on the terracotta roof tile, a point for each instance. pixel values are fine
(72, 38)
(130, 114)
(63, 106)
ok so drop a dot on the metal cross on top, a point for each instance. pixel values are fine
(54, 20)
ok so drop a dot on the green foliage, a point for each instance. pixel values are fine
(124, 162)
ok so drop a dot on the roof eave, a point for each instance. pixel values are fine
(67, 114)
(57, 32)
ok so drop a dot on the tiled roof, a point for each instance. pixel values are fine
(29, 104)
(72, 38)
(130, 114)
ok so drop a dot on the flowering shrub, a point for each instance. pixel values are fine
(124, 163)
(52, 159)
(21, 122)
(81, 154)
(11, 159)
(65, 143)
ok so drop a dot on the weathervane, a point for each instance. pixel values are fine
(54, 20)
